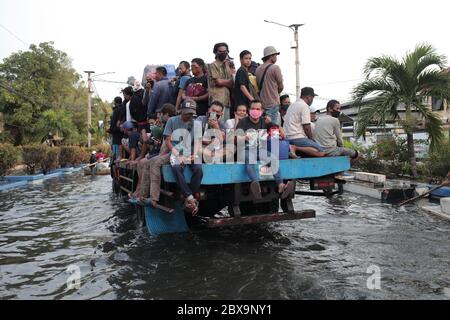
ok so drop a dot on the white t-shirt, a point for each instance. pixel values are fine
(296, 116)
(129, 117)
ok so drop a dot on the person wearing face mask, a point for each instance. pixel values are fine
(285, 102)
(220, 79)
(297, 124)
(328, 132)
(255, 126)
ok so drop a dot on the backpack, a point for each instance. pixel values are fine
(253, 86)
(137, 109)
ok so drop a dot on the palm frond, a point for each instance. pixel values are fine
(434, 83)
(423, 57)
(433, 124)
(379, 65)
(377, 112)
(373, 87)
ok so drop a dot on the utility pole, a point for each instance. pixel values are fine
(297, 59)
(89, 117)
(294, 45)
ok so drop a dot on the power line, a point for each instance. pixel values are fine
(336, 82)
(14, 35)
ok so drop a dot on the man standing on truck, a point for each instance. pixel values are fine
(161, 93)
(270, 83)
(220, 79)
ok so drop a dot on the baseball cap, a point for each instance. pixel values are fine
(188, 107)
(128, 125)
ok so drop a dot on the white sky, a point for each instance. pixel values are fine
(124, 36)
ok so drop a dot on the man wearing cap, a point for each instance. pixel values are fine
(179, 139)
(328, 132)
(270, 83)
(134, 137)
(220, 79)
(297, 122)
(313, 115)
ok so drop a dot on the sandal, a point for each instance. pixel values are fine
(191, 206)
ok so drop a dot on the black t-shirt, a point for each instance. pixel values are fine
(246, 124)
(238, 95)
(114, 129)
(123, 111)
(137, 109)
(196, 87)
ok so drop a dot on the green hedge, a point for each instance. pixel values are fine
(71, 156)
(9, 157)
(41, 157)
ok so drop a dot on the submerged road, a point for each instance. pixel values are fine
(76, 222)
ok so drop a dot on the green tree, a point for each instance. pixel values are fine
(41, 92)
(393, 84)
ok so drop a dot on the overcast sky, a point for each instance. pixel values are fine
(124, 36)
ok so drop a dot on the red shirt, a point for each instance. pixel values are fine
(99, 156)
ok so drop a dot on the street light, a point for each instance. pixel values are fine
(294, 45)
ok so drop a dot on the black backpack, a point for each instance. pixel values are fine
(137, 109)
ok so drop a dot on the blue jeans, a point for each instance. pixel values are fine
(196, 180)
(274, 113)
(306, 142)
(251, 168)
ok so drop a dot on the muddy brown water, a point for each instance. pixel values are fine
(76, 221)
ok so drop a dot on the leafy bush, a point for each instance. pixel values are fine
(438, 163)
(33, 156)
(9, 157)
(50, 159)
(72, 156)
(370, 161)
(40, 157)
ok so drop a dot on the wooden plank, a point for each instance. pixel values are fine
(126, 178)
(125, 189)
(217, 223)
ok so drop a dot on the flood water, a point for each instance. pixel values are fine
(77, 221)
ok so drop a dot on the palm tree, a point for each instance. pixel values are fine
(392, 84)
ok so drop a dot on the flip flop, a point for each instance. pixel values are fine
(191, 206)
(288, 190)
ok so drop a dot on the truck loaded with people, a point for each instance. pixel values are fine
(216, 146)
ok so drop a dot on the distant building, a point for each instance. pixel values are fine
(349, 124)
